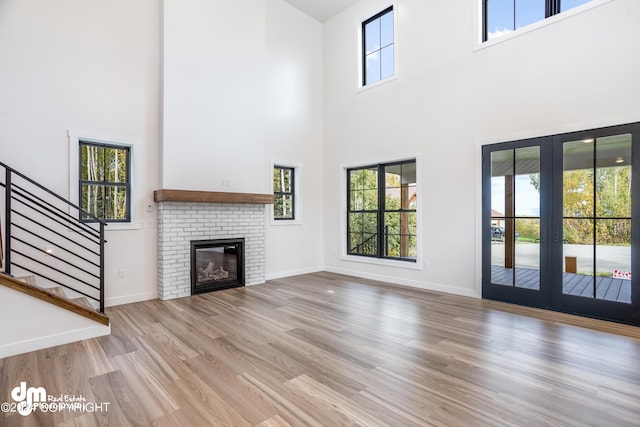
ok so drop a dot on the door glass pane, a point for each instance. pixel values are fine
(613, 221)
(578, 246)
(527, 182)
(613, 176)
(515, 217)
(613, 260)
(527, 253)
(578, 224)
(578, 178)
(502, 169)
(524, 238)
(597, 218)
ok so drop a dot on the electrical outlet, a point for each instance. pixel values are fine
(122, 273)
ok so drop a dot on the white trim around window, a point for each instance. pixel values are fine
(297, 195)
(342, 203)
(75, 136)
(358, 43)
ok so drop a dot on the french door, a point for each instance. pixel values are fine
(560, 222)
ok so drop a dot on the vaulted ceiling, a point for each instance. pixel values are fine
(321, 9)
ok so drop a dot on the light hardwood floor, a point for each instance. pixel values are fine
(324, 349)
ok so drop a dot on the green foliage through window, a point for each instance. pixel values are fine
(597, 194)
(104, 181)
(382, 217)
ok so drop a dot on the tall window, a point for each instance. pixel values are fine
(382, 216)
(105, 181)
(505, 16)
(378, 47)
(283, 190)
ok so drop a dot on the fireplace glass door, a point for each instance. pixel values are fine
(216, 264)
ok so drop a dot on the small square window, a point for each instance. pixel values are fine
(378, 47)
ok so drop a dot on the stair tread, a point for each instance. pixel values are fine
(83, 301)
(31, 279)
(57, 290)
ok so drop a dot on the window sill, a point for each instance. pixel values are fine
(286, 222)
(383, 262)
(377, 84)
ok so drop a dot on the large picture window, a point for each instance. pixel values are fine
(504, 16)
(105, 184)
(382, 212)
(378, 47)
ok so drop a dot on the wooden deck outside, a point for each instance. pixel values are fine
(607, 288)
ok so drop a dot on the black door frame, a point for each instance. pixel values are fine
(550, 295)
(610, 310)
(522, 296)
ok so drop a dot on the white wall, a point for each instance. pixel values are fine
(31, 324)
(276, 86)
(96, 69)
(93, 67)
(294, 120)
(450, 97)
(243, 90)
(214, 95)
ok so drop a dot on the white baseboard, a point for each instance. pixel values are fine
(289, 273)
(429, 286)
(66, 337)
(128, 299)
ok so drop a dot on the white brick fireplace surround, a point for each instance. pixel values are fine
(184, 216)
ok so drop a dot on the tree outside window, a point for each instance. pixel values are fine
(283, 191)
(382, 216)
(105, 181)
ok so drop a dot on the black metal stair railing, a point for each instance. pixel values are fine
(44, 236)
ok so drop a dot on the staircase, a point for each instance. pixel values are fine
(54, 295)
(51, 249)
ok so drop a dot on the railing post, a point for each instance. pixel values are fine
(7, 219)
(101, 267)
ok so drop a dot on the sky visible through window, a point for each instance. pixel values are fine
(379, 48)
(527, 197)
(505, 16)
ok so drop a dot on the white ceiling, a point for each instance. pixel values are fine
(321, 9)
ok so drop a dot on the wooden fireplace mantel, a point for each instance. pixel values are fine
(165, 195)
